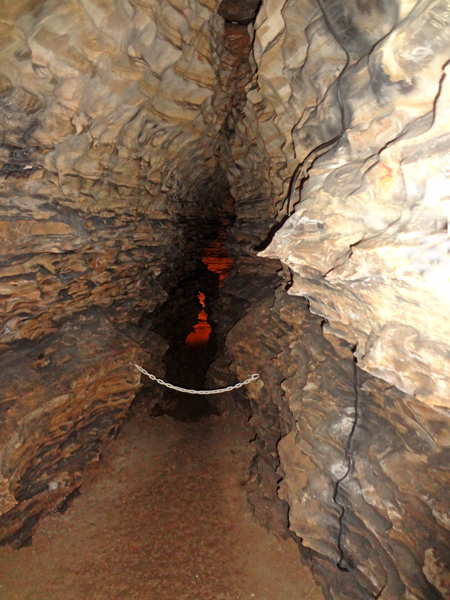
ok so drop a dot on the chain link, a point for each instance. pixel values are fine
(254, 377)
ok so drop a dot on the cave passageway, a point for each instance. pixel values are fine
(211, 189)
(187, 318)
(163, 515)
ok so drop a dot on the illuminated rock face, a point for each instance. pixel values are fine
(368, 242)
(110, 121)
(202, 330)
(353, 98)
(361, 467)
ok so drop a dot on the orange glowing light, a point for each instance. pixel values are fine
(215, 257)
(202, 330)
(216, 260)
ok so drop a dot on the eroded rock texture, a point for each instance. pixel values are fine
(362, 466)
(123, 126)
(345, 127)
(368, 241)
(111, 117)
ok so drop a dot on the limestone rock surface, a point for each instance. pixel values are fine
(111, 116)
(341, 141)
(121, 124)
(362, 466)
(360, 114)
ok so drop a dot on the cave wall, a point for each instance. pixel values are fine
(345, 123)
(360, 467)
(111, 120)
(115, 120)
(368, 240)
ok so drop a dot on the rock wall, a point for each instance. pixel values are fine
(344, 140)
(362, 466)
(117, 120)
(111, 120)
(367, 238)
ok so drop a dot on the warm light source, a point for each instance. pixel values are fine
(202, 330)
(216, 260)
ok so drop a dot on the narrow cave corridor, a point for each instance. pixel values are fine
(211, 189)
(186, 318)
(164, 516)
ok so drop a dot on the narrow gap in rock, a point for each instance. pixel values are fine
(185, 319)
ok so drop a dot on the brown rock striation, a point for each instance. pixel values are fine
(354, 116)
(110, 123)
(363, 478)
(122, 125)
(61, 397)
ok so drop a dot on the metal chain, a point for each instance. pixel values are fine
(254, 377)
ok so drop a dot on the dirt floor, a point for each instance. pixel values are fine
(163, 516)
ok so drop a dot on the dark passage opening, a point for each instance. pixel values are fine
(187, 319)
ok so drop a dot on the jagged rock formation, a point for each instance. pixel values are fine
(368, 242)
(362, 466)
(348, 103)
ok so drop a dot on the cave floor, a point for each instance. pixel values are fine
(162, 516)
